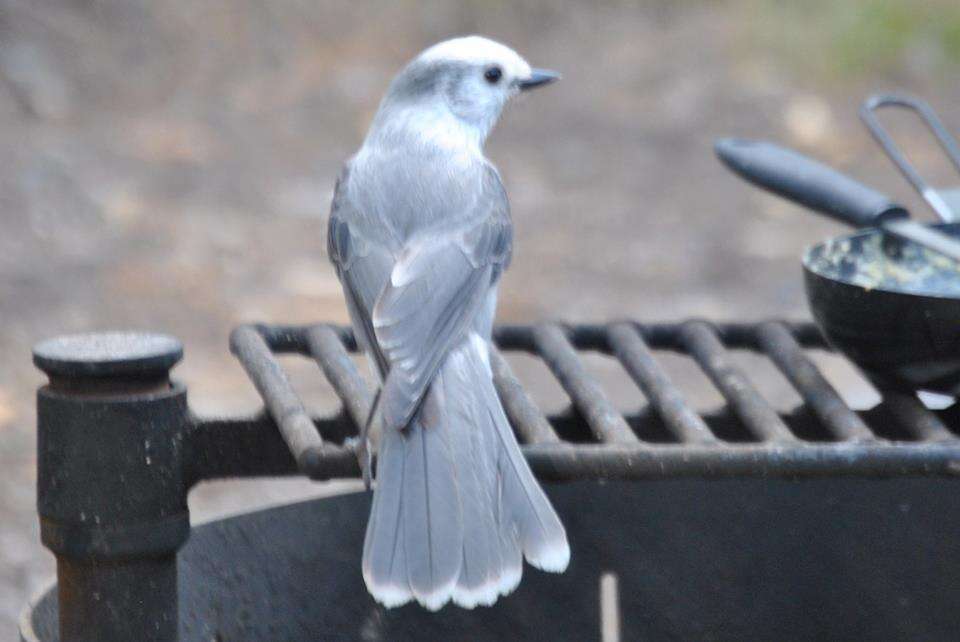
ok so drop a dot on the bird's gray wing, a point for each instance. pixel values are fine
(363, 264)
(436, 287)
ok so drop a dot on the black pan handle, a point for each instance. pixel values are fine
(807, 182)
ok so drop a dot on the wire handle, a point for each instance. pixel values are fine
(947, 142)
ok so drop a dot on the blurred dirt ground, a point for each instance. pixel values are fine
(168, 165)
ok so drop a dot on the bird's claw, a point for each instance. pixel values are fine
(363, 450)
(366, 462)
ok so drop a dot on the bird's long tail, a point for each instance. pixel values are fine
(455, 506)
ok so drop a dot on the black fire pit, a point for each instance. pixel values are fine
(744, 523)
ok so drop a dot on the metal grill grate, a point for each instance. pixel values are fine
(822, 437)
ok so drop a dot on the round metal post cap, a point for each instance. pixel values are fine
(107, 354)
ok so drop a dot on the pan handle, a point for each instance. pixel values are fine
(929, 117)
(807, 182)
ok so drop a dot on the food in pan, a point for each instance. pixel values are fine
(878, 262)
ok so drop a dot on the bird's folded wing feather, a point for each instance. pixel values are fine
(435, 286)
(363, 264)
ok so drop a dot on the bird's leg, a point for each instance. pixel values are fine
(363, 450)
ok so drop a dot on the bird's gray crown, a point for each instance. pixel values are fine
(424, 78)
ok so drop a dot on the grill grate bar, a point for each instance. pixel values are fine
(931, 450)
(915, 417)
(814, 389)
(703, 344)
(658, 336)
(326, 348)
(659, 461)
(568, 462)
(314, 457)
(271, 382)
(606, 422)
(637, 359)
(523, 413)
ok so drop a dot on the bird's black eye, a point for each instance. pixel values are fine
(493, 74)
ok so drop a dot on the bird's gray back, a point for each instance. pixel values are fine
(406, 191)
(386, 201)
(385, 198)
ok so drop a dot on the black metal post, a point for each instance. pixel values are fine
(111, 489)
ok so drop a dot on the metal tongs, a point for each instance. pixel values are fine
(944, 202)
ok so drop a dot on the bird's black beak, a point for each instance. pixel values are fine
(537, 78)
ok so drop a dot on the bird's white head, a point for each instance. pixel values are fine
(456, 88)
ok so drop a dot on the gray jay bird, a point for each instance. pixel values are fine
(420, 233)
